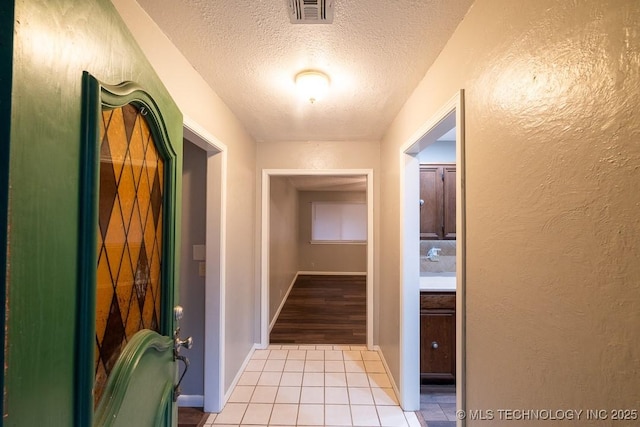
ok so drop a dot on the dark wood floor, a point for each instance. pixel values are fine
(191, 417)
(324, 310)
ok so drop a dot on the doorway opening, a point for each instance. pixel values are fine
(208, 258)
(413, 152)
(274, 295)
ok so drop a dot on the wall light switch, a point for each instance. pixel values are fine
(202, 269)
(199, 252)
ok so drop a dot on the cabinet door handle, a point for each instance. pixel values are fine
(434, 345)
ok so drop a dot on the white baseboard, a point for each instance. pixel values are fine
(191, 400)
(333, 273)
(239, 374)
(386, 368)
(275, 318)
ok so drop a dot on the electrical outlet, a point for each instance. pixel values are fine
(202, 269)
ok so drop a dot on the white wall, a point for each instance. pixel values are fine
(439, 152)
(283, 241)
(202, 106)
(553, 296)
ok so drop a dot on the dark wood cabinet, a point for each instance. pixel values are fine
(438, 206)
(437, 337)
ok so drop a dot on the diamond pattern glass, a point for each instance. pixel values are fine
(129, 274)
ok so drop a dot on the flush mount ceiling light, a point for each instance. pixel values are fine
(312, 85)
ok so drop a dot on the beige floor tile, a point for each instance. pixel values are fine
(336, 396)
(384, 396)
(324, 347)
(356, 379)
(307, 347)
(257, 414)
(249, 378)
(288, 395)
(274, 365)
(311, 415)
(335, 379)
(312, 395)
(391, 416)
(232, 413)
(334, 366)
(333, 355)
(264, 394)
(313, 379)
(284, 414)
(294, 365)
(242, 394)
(337, 415)
(354, 366)
(352, 355)
(358, 347)
(290, 347)
(315, 355)
(412, 419)
(314, 366)
(360, 396)
(342, 347)
(370, 355)
(274, 347)
(270, 378)
(255, 365)
(297, 355)
(261, 354)
(211, 418)
(379, 380)
(364, 415)
(374, 366)
(278, 354)
(291, 379)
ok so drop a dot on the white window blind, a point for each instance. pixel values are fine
(338, 222)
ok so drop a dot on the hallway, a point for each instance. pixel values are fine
(324, 309)
(290, 385)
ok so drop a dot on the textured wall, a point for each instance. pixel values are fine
(283, 240)
(552, 131)
(318, 257)
(200, 104)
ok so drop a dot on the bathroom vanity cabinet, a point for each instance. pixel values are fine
(438, 201)
(437, 337)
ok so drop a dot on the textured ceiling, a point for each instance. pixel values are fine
(375, 52)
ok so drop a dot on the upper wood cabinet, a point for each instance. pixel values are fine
(438, 206)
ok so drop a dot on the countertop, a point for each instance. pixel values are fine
(438, 282)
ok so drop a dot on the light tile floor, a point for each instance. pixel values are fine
(308, 385)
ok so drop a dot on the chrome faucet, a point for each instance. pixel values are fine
(433, 254)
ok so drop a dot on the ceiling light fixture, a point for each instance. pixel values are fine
(312, 85)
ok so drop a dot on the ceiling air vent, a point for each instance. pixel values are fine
(310, 11)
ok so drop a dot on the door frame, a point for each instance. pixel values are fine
(264, 242)
(215, 275)
(410, 259)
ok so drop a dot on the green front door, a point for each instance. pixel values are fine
(128, 262)
(90, 275)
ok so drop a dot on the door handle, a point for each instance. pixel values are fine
(178, 344)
